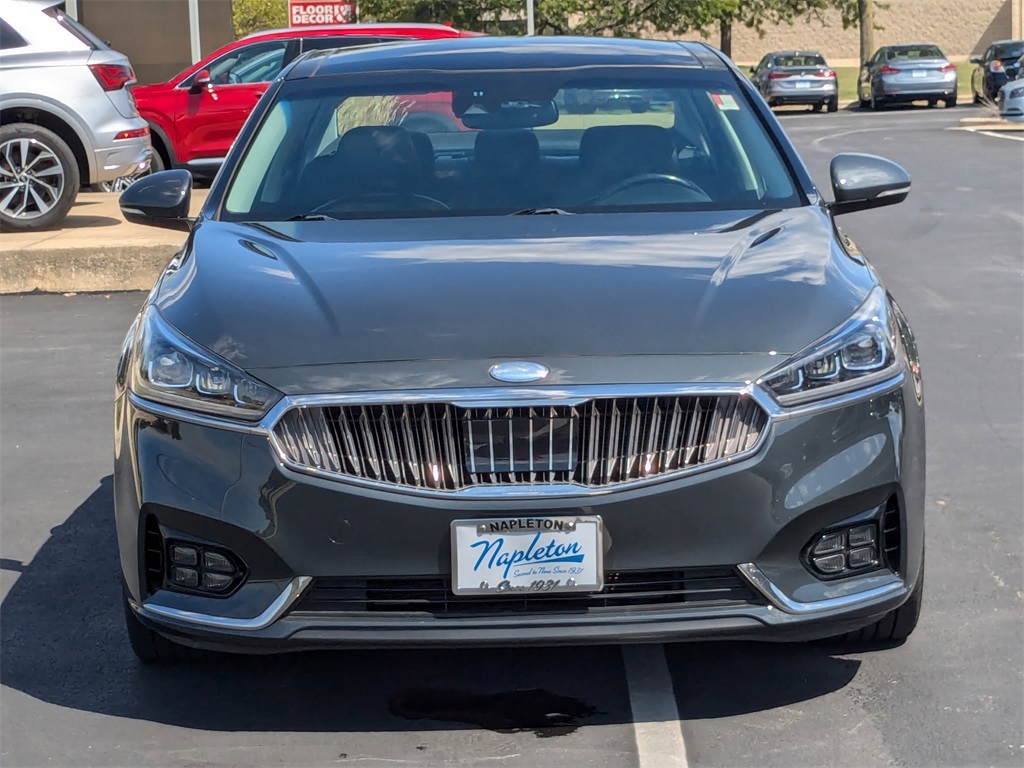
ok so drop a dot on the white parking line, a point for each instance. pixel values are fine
(995, 135)
(659, 737)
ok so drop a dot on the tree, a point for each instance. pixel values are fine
(861, 14)
(254, 15)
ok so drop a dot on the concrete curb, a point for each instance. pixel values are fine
(65, 270)
(989, 124)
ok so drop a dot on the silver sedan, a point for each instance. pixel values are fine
(797, 77)
(906, 73)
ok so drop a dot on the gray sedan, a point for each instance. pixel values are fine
(905, 73)
(797, 77)
(525, 384)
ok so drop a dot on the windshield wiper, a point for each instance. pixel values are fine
(541, 212)
(311, 217)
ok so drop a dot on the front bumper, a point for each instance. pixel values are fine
(294, 531)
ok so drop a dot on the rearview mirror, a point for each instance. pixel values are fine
(862, 181)
(159, 200)
(511, 114)
(201, 81)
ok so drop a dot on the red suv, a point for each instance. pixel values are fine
(196, 115)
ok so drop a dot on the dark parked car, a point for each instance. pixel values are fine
(899, 74)
(526, 383)
(995, 69)
(797, 77)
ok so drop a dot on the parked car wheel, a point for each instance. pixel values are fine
(39, 177)
(951, 101)
(895, 626)
(833, 105)
(153, 648)
(119, 185)
(877, 102)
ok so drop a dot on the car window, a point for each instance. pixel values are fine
(1008, 51)
(84, 35)
(490, 143)
(813, 60)
(915, 52)
(9, 38)
(336, 41)
(256, 63)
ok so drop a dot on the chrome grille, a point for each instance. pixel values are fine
(444, 447)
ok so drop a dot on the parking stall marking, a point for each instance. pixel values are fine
(656, 727)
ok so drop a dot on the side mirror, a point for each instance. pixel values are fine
(159, 200)
(861, 181)
(753, 70)
(201, 81)
(975, 61)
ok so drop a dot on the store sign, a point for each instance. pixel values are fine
(303, 14)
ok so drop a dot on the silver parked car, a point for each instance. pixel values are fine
(905, 73)
(797, 77)
(1011, 96)
(68, 117)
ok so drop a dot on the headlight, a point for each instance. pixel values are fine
(860, 352)
(1016, 93)
(168, 368)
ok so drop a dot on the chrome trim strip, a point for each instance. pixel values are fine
(192, 417)
(273, 612)
(782, 601)
(784, 413)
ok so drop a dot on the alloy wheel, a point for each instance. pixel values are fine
(31, 178)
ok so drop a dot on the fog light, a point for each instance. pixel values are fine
(861, 558)
(185, 577)
(831, 542)
(194, 567)
(839, 552)
(215, 561)
(831, 563)
(184, 555)
(217, 582)
(862, 535)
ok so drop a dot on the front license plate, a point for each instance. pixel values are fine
(527, 555)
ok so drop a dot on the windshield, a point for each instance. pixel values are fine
(1009, 51)
(466, 144)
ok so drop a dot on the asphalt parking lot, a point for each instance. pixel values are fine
(953, 255)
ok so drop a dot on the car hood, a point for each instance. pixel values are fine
(637, 286)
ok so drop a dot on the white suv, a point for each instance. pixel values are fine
(67, 117)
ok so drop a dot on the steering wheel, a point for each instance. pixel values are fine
(382, 201)
(645, 179)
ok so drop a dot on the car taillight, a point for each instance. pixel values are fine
(947, 68)
(777, 75)
(826, 73)
(887, 70)
(996, 66)
(112, 76)
(136, 133)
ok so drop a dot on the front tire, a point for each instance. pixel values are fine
(151, 647)
(39, 177)
(896, 626)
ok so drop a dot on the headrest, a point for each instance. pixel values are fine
(380, 157)
(627, 150)
(510, 150)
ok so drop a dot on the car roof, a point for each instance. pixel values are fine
(397, 28)
(518, 53)
(795, 53)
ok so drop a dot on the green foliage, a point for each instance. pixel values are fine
(254, 15)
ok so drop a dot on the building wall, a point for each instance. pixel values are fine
(154, 34)
(960, 28)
